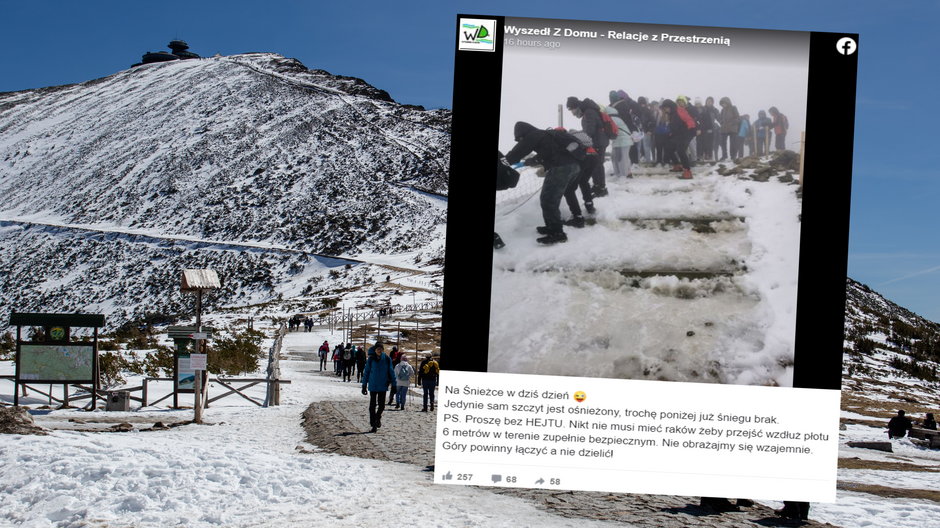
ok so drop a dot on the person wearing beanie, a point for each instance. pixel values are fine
(427, 374)
(729, 120)
(684, 104)
(707, 116)
(560, 169)
(403, 373)
(761, 128)
(592, 124)
(360, 363)
(395, 356)
(620, 145)
(376, 380)
(780, 125)
(631, 114)
(647, 128)
(681, 132)
(581, 181)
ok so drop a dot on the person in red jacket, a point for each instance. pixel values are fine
(681, 131)
(780, 126)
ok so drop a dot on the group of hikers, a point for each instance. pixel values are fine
(296, 321)
(382, 373)
(667, 132)
(391, 373)
(346, 358)
(900, 425)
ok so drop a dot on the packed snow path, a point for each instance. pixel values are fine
(680, 280)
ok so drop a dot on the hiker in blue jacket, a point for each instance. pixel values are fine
(378, 377)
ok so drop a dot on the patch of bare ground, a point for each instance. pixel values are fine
(858, 463)
(882, 409)
(890, 493)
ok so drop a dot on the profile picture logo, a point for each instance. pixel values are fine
(580, 396)
(476, 34)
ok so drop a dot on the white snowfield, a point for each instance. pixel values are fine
(243, 469)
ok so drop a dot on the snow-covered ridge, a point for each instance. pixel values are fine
(249, 151)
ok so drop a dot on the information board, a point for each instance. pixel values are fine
(56, 363)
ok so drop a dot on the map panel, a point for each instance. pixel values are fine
(56, 363)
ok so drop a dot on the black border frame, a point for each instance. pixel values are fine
(826, 198)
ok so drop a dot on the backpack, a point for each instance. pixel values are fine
(506, 176)
(429, 368)
(347, 354)
(610, 128)
(568, 143)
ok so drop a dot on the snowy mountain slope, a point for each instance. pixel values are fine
(891, 359)
(245, 150)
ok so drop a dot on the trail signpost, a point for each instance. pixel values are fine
(198, 281)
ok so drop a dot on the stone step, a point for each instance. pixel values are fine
(690, 274)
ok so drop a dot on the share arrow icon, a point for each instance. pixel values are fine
(540, 481)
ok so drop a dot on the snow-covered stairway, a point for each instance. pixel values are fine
(659, 287)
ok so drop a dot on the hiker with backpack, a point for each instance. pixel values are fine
(360, 362)
(376, 380)
(582, 180)
(561, 167)
(427, 374)
(322, 352)
(620, 145)
(594, 125)
(761, 127)
(403, 373)
(681, 132)
(349, 362)
(684, 104)
(780, 125)
(338, 359)
(631, 113)
(395, 356)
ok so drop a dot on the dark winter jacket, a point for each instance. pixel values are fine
(780, 124)
(899, 426)
(378, 375)
(530, 139)
(630, 111)
(647, 121)
(360, 358)
(728, 117)
(592, 123)
(681, 124)
(707, 118)
(761, 124)
(428, 371)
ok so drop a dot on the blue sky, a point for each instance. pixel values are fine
(406, 48)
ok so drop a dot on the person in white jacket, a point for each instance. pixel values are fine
(620, 146)
(403, 373)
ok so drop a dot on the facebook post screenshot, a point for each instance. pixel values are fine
(661, 307)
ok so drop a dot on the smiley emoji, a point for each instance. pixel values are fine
(580, 396)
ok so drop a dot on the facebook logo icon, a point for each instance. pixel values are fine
(846, 46)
